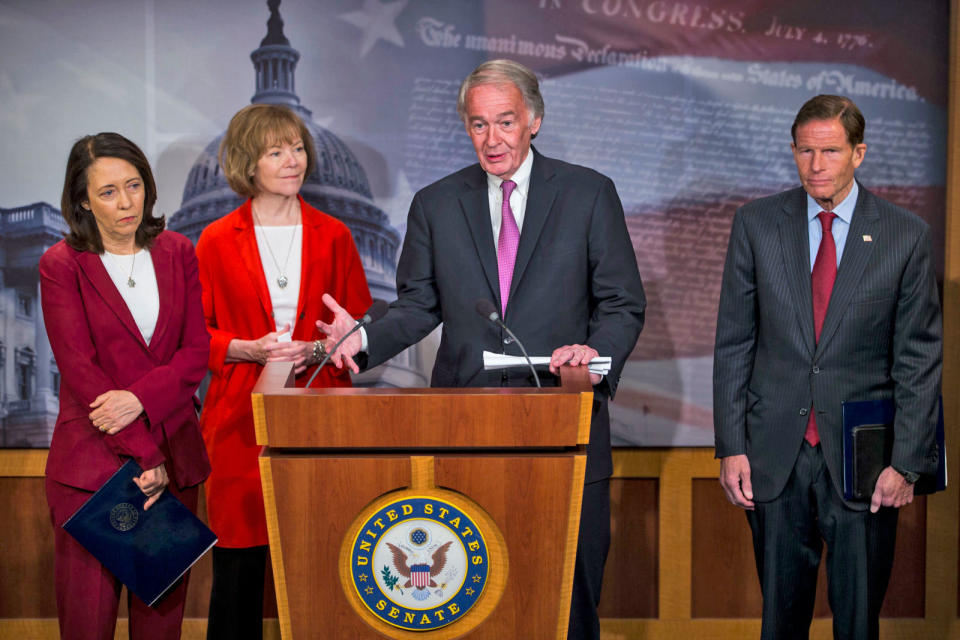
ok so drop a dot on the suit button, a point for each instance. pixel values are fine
(803, 412)
(816, 369)
(506, 340)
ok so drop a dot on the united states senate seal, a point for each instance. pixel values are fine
(419, 562)
(124, 516)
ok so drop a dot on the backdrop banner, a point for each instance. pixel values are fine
(686, 105)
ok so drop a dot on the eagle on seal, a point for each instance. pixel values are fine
(407, 564)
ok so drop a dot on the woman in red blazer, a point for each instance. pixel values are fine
(263, 268)
(121, 304)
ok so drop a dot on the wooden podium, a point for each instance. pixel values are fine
(422, 513)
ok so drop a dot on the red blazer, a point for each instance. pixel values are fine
(236, 302)
(98, 347)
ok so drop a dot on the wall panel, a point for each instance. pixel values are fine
(632, 576)
(680, 563)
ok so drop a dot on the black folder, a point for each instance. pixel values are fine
(148, 551)
(868, 446)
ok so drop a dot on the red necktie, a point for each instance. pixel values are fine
(823, 276)
(506, 245)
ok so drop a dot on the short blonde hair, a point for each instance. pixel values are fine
(252, 131)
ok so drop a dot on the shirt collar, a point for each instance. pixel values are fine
(844, 210)
(521, 176)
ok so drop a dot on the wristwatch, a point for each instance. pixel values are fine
(319, 351)
(909, 476)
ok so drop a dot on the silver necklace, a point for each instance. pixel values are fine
(282, 280)
(130, 281)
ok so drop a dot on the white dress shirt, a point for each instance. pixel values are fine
(518, 198)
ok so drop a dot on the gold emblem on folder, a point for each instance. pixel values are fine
(124, 516)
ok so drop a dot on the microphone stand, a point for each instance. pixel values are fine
(488, 311)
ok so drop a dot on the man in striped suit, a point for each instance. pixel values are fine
(829, 294)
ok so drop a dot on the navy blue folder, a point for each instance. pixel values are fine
(868, 445)
(148, 551)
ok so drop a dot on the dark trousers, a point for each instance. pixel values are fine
(788, 536)
(236, 596)
(593, 542)
(88, 596)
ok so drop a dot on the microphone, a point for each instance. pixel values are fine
(486, 309)
(376, 311)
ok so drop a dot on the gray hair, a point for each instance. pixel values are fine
(503, 72)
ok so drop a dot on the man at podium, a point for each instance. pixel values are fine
(547, 243)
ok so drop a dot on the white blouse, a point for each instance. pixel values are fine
(135, 279)
(286, 244)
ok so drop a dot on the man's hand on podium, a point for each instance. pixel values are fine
(575, 355)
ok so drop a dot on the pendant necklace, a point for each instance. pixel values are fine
(130, 281)
(282, 280)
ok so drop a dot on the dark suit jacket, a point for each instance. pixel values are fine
(881, 338)
(98, 347)
(575, 282)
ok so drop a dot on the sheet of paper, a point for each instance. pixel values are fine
(599, 365)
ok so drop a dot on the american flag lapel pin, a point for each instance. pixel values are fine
(867, 238)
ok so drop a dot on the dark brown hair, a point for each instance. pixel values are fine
(84, 234)
(826, 107)
(252, 131)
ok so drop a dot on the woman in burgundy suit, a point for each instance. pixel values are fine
(121, 304)
(263, 268)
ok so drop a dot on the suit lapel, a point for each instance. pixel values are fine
(856, 254)
(249, 253)
(795, 243)
(96, 273)
(476, 209)
(540, 199)
(163, 268)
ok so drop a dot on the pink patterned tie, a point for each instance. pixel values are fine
(506, 244)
